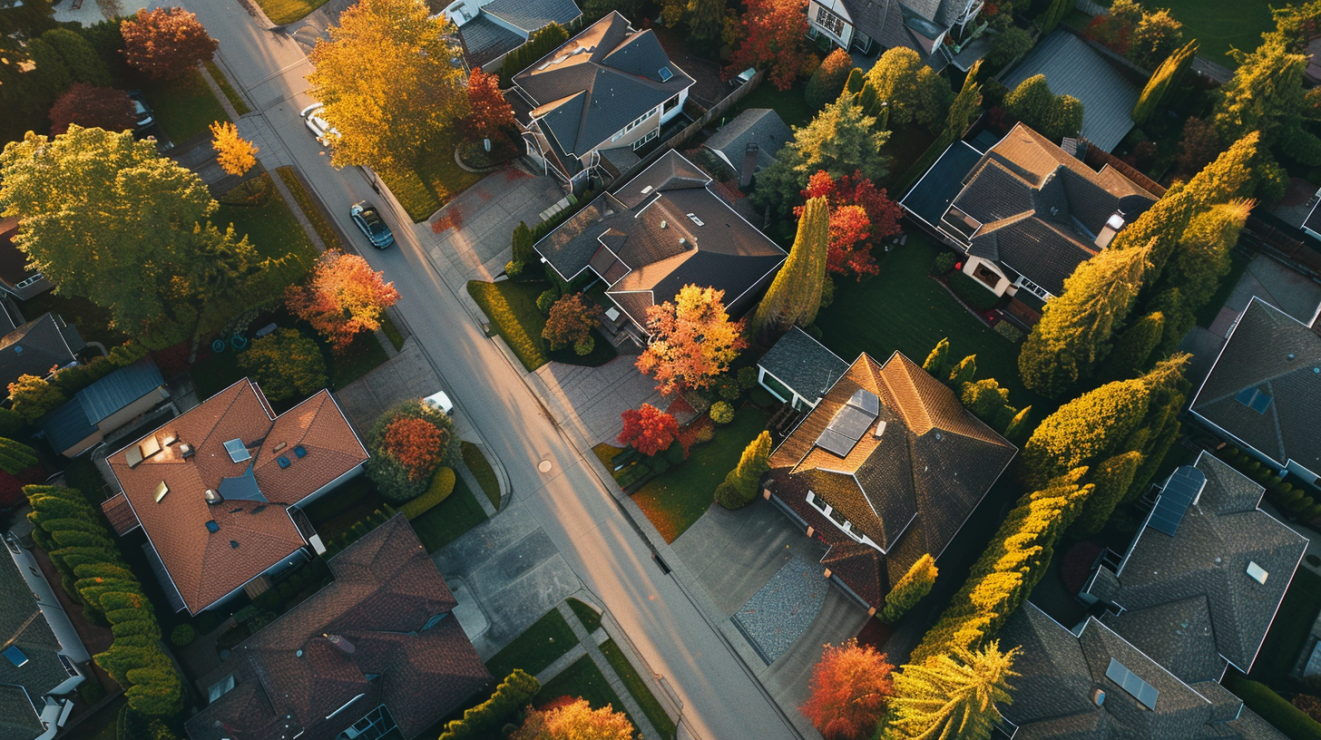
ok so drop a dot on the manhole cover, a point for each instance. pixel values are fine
(544, 466)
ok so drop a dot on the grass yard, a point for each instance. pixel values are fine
(361, 357)
(274, 232)
(481, 469)
(1289, 631)
(903, 309)
(236, 100)
(102, 726)
(184, 107)
(512, 309)
(660, 719)
(392, 332)
(790, 104)
(431, 183)
(1221, 24)
(287, 11)
(680, 496)
(449, 519)
(590, 617)
(534, 650)
(320, 223)
(582, 679)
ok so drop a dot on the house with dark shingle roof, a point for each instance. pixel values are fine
(38, 348)
(799, 370)
(1264, 391)
(609, 87)
(1025, 213)
(42, 656)
(921, 25)
(103, 407)
(886, 469)
(16, 278)
(663, 230)
(377, 653)
(217, 490)
(749, 142)
(490, 29)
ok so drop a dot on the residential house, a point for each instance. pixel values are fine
(1072, 67)
(1025, 213)
(1312, 223)
(921, 25)
(663, 230)
(217, 490)
(799, 370)
(1194, 594)
(608, 89)
(104, 407)
(749, 142)
(490, 29)
(377, 653)
(1260, 393)
(42, 651)
(885, 469)
(38, 348)
(16, 278)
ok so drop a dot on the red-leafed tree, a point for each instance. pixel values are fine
(850, 688)
(90, 106)
(166, 43)
(774, 34)
(416, 444)
(491, 113)
(692, 340)
(11, 486)
(648, 429)
(860, 216)
(344, 296)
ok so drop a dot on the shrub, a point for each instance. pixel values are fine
(183, 635)
(572, 318)
(728, 388)
(285, 364)
(546, 300)
(1273, 708)
(484, 719)
(514, 268)
(442, 485)
(945, 262)
(722, 413)
(828, 79)
(747, 378)
(584, 346)
(1009, 331)
(396, 468)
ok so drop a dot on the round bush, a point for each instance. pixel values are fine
(945, 262)
(722, 413)
(729, 389)
(183, 635)
(706, 434)
(729, 497)
(513, 268)
(584, 346)
(747, 378)
(546, 300)
(404, 458)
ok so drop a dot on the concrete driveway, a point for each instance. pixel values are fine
(592, 399)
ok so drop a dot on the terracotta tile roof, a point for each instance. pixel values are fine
(255, 532)
(120, 514)
(391, 604)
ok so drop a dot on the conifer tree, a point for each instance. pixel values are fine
(1169, 76)
(1265, 95)
(910, 589)
(1017, 429)
(963, 372)
(1053, 15)
(740, 485)
(953, 696)
(1074, 332)
(1112, 479)
(795, 294)
(1134, 348)
(15, 457)
(988, 401)
(937, 362)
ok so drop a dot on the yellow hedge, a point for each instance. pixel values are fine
(442, 485)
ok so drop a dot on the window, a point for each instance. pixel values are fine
(1034, 289)
(636, 122)
(646, 138)
(817, 503)
(670, 104)
(830, 22)
(834, 515)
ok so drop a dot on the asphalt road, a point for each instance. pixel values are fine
(721, 699)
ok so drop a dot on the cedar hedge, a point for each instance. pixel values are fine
(485, 719)
(442, 485)
(1273, 708)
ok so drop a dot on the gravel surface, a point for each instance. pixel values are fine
(783, 609)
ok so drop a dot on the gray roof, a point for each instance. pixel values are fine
(1073, 68)
(18, 717)
(531, 16)
(648, 245)
(22, 625)
(1275, 355)
(34, 348)
(1187, 600)
(598, 82)
(76, 419)
(484, 40)
(803, 364)
(760, 126)
(941, 184)
(914, 24)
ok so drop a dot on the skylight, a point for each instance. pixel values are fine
(1254, 399)
(15, 656)
(161, 490)
(695, 219)
(665, 74)
(237, 452)
(1257, 572)
(1129, 682)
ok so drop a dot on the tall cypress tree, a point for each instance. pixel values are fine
(953, 695)
(1135, 347)
(1168, 76)
(795, 294)
(1113, 478)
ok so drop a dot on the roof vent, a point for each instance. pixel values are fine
(212, 527)
(234, 544)
(939, 436)
(237, 452)
(663, 224)
(300, 451)
(1257, 572)
(279, 446)
(683, 242)
(340, 642)
(1113, 225)
(880, 428)
(693, 217)
(212, 497)
(646, 190)
(1291, 355)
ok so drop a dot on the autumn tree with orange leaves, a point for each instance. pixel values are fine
(166, 43)
(774, 34)
(491, 113)
(416, 444)
(342, 298)
(850, 688)
(692, 340)
(575, 720)
(648, 429)
(408, 443)
(860, 217)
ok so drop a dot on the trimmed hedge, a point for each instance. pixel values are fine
(485, 719)
(442, 485)
(1273, 708)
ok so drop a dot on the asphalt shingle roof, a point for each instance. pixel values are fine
(1274, 354)
(22, 625)
(533, 15)
(1073, 68)
(933, 194)
(803, 364)
(484, 40)
(760, 126)
(34, 349)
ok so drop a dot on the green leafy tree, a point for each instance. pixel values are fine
(1112, 478)
(392, 81)
(15, 457)
(34, 85)
(910, 589)
(1074, 332)
(909, 88)
(32, 397)
(988, 401)
(953, 696)
(1053, 14)
(937, 362)
(1052, 116)
(286, 364)
(1154, 38)
(706, 23)
(795, 294)
(1168, 77)
(82, 61)
(828, 80)
(741, 484)
(1010, 45)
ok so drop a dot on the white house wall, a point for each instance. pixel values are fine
(50, 606)
(836, 7)
(970, 266)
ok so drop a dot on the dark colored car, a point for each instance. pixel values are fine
(142, 112)
(370, 222)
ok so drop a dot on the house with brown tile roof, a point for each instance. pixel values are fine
(217, 489)
(376, 653)
(885, 469)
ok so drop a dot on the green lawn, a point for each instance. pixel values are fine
(1289, 631)
(431, 183)
(336, 511)
(184, 107)
(680, 496)
(236, 100)
(590, 617)
(534, 650)
(660, 719)
(449, 519)
(1221, 24)
(790, 104)
(512, 309)
(274, 232)
(582, 679)
(361, 357)
(102, 726)
(481, 469)
(392, 332)
(287, 11)
(320, 224)
(903, 309)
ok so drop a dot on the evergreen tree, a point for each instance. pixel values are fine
(1054, 117)
(963, 372)
(937, 363)
(910, 589)
(1112, 479)
(82, 61)
(740, 485)
(1074, 332)
(1265, 94)
(706, 21)
(987, 401)
(795, 294)
(1017, 429)
(953, 696)
(1053, 15)
(1202, 257)
(828, 80)
(1169, 76)
(1134, 347)
(524, 255)
(15, 457)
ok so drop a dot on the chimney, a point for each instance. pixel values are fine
(340, 642)
(186, 451)
(1113, 225)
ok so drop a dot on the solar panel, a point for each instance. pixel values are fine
(1129, 682)
(850, 422)
(832, 441)
(1181, 490)
(866, 401)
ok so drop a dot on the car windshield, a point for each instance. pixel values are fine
(373, 221)
(139, 107)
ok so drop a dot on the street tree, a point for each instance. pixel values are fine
(774, 38)
(648, 430)
(849, 690)
(235, 154)
(953, 696)
(795, 294)
(575, 721)
(392, 81)
(166, 43)
(342, 298)
(92, 107)
(692, 340)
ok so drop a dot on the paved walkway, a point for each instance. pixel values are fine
(592, 646)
